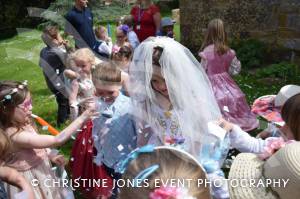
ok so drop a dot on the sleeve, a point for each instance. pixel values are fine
(133, 39)
(105, 48)
(242, 141)
(235, 67)
(154, 9)
(133, 11)
(203, 61)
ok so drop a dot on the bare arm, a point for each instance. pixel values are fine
(13, 177)
(27, 139)
(74, 92)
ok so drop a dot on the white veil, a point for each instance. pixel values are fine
(188, 86)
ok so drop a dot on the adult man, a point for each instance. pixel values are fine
(79, 24)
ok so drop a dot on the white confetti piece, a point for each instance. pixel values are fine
(105, 131)
(73, 137)
(225, 108)
(72, 159)
(108, 121)
(57, 71)
(147, 126)
(79, 130)
(96, 138)
(54, 168)
(83, 141)
(58, 84)
(45, 128)
(140, 131)
(120, 147)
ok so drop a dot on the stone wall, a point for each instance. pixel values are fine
(275, 21)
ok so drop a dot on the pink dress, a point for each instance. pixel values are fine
(230, 98)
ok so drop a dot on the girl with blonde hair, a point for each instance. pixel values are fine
(151, 171)
(219, 61)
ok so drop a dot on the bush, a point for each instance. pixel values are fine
(283, 70)
(250, 52)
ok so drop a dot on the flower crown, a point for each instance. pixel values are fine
(8, 96)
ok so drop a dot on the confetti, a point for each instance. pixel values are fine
(45, 128)
(83, 141)
(105, 131)
(58, 84)
(73, 137)
(53, 168)
(225, 108)
(96, 138)
(79, 130)
(72, 159)
(120, 147)
(108, 121)
(57, 71)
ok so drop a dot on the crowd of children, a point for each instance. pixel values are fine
(141, 112)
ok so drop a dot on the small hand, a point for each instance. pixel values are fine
(90, 112)
(225, 125)
(59, 160)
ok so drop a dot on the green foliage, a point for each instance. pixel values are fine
(283, 70)
(250, 52)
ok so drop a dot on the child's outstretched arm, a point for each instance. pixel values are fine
(27, 139)
(13, 177)
(242, 141)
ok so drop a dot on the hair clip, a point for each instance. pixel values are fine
(8, 96)
(125, 29)
(121, 166)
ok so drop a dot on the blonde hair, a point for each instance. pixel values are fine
(82, 53)
(216, 35)
(173, 164)
(107, 73)
(99, 30)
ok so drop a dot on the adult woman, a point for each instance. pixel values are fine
(147, 19)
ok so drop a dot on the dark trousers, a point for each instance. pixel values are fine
(63, 109)
(115, 176)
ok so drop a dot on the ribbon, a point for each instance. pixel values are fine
(121, 166)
